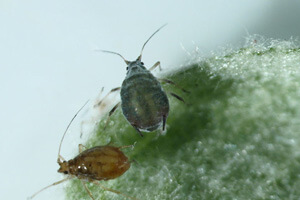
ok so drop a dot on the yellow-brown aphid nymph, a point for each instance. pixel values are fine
(98, 163)
(92, 165)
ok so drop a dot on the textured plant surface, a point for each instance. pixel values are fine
(236, 138)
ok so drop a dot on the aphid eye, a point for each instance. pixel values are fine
(65, 172)
(142, 63)
(126, 68)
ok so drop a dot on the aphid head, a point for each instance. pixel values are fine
(64, 167)
(135, 65)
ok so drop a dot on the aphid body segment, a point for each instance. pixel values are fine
(144, 102)
(98, 163)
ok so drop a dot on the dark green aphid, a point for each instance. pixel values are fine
(144, 102)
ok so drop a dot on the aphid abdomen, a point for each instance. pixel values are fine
(99, 163)
(143, 101)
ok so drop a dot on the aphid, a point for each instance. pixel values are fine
(144, 103)
(92, 165)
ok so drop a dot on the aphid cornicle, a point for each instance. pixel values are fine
(144, 103)
(93, 165)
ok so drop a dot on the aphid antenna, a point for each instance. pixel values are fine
(126, 61)
(140, 56)
(59, 157)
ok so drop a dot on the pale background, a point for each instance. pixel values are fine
(49, 67)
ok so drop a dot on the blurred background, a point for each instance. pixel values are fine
(49, 66)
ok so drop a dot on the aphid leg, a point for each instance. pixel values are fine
(114, 191)
(53, 184)
(110, 113)
(127, 146)
(164, 122)
(177, 97)
(87, 189)
(171, 82)
(98, 98)
(138, 130)
(155, 65)
(111, 91)
(80, 148)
